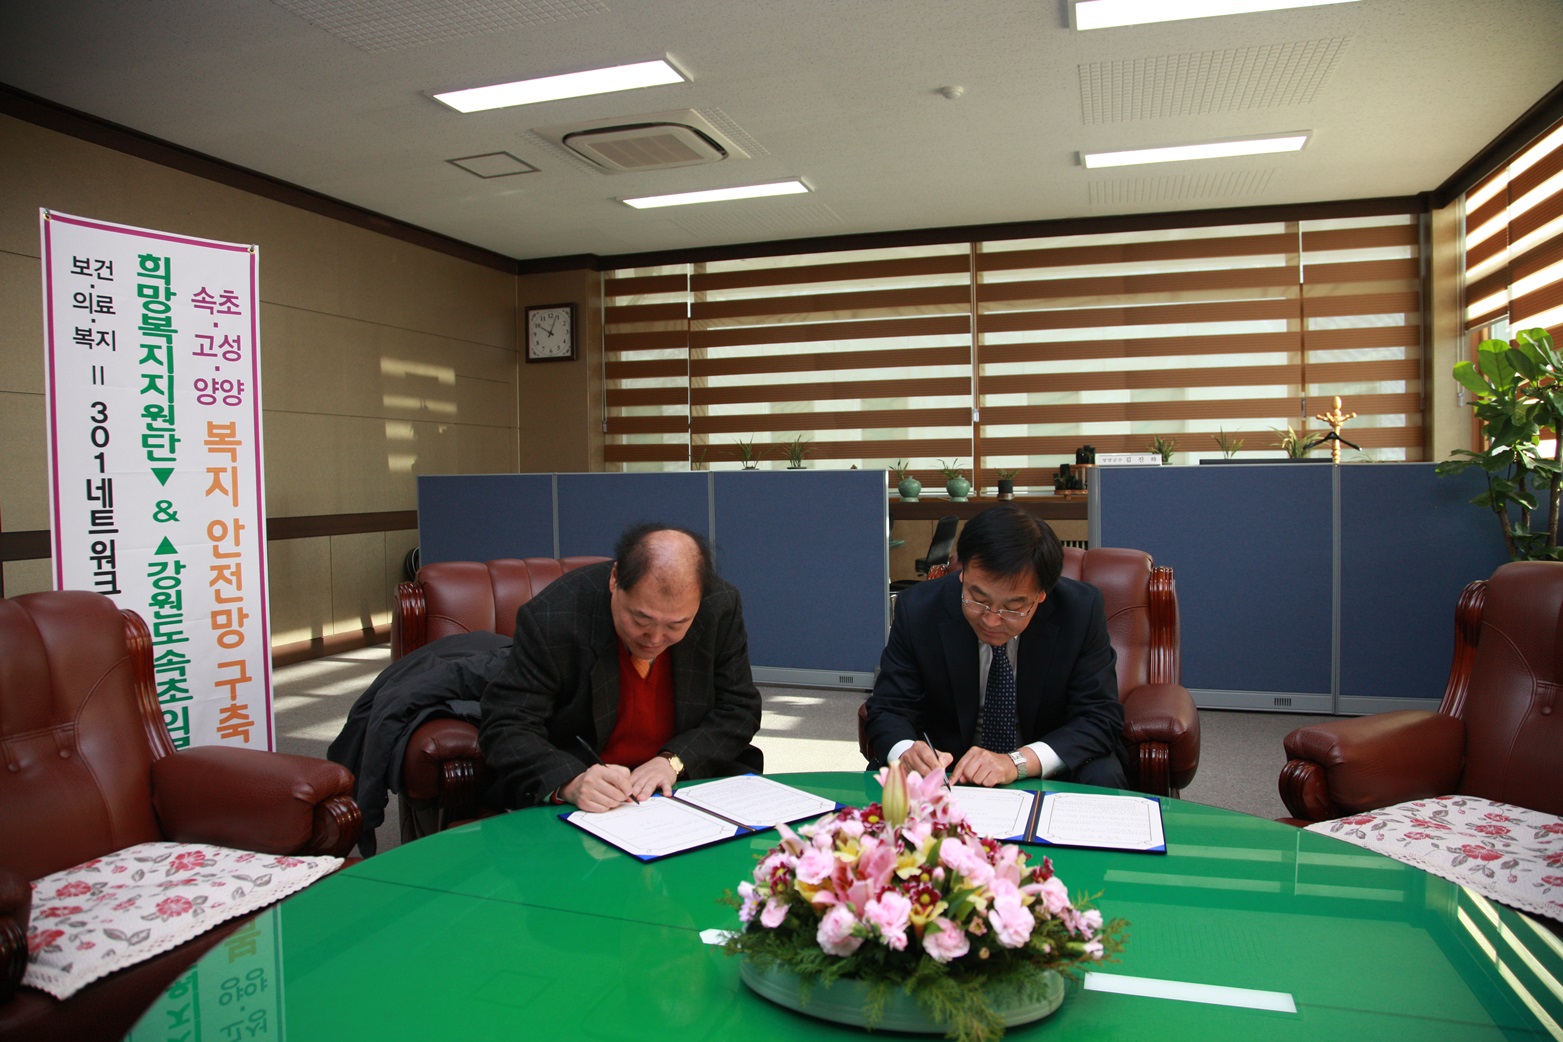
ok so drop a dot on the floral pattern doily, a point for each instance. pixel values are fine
(1507, 853)
(115, 911)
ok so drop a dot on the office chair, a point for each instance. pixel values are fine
(939, 550)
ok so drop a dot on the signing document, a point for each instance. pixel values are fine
(1063, 819)
(699, 815)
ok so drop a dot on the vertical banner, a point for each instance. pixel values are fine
(153, 400)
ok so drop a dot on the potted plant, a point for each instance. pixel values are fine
(1164, 446)
(955, 482)
(746, 453)
(1296, 444)
(1517, 392)
(1229, 445)
(1007, 483)
(797, 448)
(908, 487)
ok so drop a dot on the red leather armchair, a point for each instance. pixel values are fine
(1497, 733)
(1161, 722)
(90, 769)
(442, 770)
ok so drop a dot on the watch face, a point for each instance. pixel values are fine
(550, 332)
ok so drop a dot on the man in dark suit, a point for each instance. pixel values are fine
(624, 677)
(1005, 666)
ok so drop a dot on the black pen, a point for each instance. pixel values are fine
(934, 749)
(598, 759)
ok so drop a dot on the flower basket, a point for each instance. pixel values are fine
(897, 915)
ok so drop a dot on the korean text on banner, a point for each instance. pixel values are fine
(152, 344)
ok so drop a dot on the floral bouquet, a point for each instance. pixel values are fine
(903, 894)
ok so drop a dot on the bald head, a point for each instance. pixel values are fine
(669, 559)
(659, 578)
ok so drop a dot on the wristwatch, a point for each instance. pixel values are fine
(675, 762)
(1019, 759)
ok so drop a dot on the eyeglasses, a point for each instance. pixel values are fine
(1003, 613)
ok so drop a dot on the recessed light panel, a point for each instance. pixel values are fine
(1206, 150)
(717, 195)
(568, 85)
(1109, 14)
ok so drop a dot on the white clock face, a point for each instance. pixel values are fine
(549, 333)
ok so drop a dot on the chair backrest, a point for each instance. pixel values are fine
(942, 544)
(451, 597)
(80, 727)
(1511, 700)
(1142, 612)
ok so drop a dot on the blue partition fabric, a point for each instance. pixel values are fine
(1410, 542)
(1251, 551)
(595, 508)
(1337, 582)
(481, 517)
(808, 550)
(809, 553)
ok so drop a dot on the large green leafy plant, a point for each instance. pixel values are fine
(1517, 395)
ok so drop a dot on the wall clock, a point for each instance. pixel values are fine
(550, 333)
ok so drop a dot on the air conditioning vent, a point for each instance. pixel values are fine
(646, 146)
(645, 141)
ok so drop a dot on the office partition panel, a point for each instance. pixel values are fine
(1410, 541)
(594, 508)
(1251, 549)
(810, 552)
(1307, 588)
(481, 517)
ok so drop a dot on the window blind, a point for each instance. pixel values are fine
(1010, 355)
(1514, 242)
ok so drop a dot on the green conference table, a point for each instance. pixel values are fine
(522, 926)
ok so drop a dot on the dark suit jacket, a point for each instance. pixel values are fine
(562, 681)
(1066, 684)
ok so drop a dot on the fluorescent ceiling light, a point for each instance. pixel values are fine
(569, 85)
(1209, 150)
(1107, 14)
(717, 195)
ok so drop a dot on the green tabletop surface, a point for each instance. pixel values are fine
(522, 926)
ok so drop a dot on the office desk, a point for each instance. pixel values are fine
(522, 926)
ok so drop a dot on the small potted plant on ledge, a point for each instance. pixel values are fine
(797, 448)
(1296, 444)
(1164, 447)
(746, 453)
(955, 482)
(1007, 483)
(908, 487)
(1228, 445)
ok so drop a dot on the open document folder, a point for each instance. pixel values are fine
(1064, 819)
(698, 815)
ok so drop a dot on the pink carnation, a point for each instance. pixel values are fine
(1012, 921)
(943, 940)
(890, 913)
(1054, 896)
(751, 901)
(815, 866)
(775, 911)
(835, 934)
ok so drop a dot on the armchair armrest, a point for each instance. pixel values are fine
(274, 803)
(16, 899)
(1161, 724)
(1352, 765)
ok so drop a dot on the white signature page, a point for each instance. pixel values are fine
(996, 813)
(1085, 819)
(754, 800)
(654, 828)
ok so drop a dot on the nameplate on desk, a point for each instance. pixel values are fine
(1128, 459)
(1064, 819)
(699, 815)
